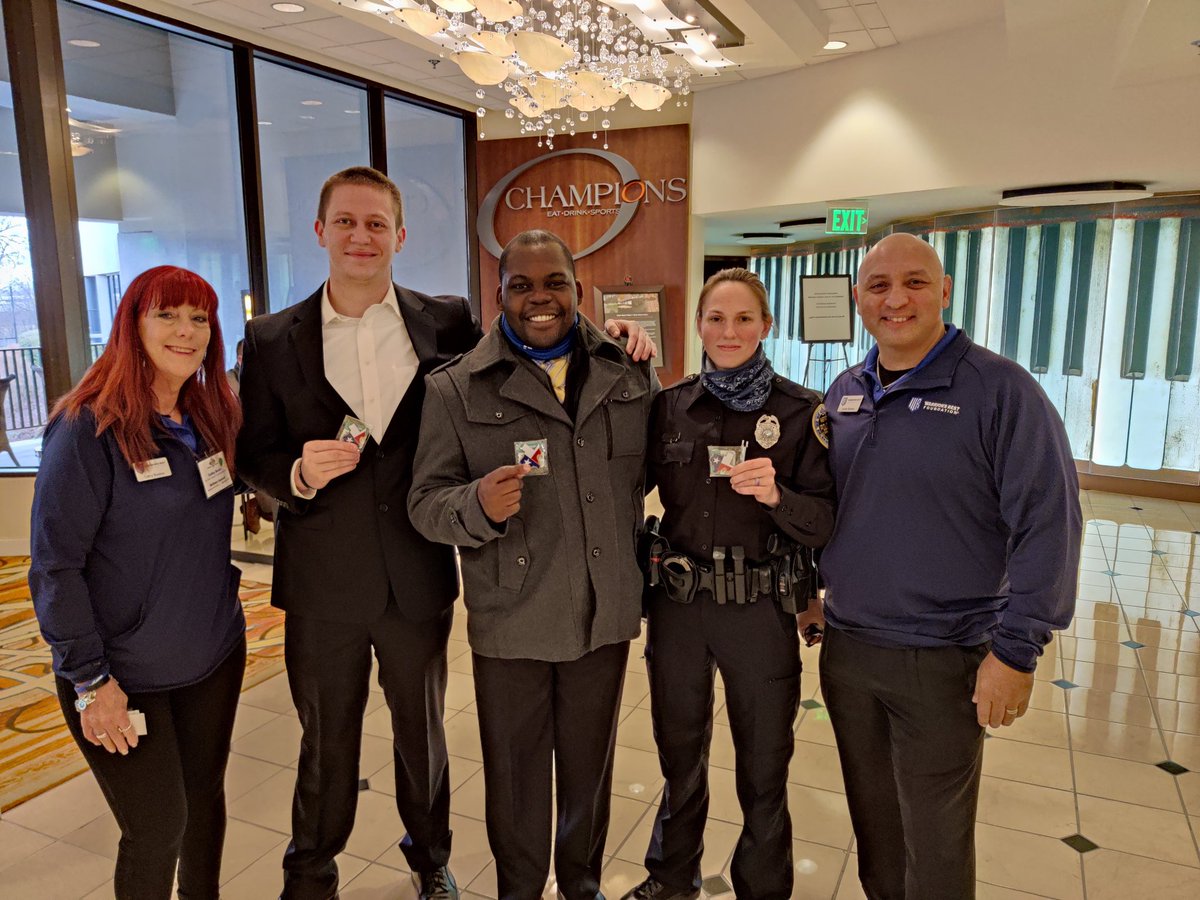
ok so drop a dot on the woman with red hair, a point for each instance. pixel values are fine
(132, 580)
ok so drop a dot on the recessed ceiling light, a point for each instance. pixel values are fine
(287, 7)
(690, 18)
(764, 237)
(81, 42)
(712, 36)
(1076, 194)
(835, 45)
(308, 117)
(352, 112)
(265, 122)
(311, 102)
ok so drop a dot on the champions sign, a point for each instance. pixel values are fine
(617, 199)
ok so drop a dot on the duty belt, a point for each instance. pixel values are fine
(789, 575)
(728, 579)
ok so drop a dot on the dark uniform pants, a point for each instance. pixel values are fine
(912, 753)
(535, 717)
(758, 652)
(329, 671)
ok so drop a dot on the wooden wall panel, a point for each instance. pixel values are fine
(652, 249)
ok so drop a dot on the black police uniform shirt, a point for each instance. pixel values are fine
(702, 511)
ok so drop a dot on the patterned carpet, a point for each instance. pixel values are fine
(36, 750)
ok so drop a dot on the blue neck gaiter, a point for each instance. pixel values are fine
(745, 388)
(562, 348)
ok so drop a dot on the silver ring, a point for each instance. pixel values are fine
(101, 735)
(125, 729)
(1012, 710)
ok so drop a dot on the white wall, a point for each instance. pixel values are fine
(16, 499)
(987, 106)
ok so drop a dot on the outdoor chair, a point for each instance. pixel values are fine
(5, 384)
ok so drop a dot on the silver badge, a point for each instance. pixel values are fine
(766, 432)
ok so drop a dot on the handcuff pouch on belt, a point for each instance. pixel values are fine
(675, 573)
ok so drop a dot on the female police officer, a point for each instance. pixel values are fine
(732, 540)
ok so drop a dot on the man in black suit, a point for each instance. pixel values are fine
(350, 570)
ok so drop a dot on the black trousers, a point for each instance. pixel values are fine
(756, 647)
(536, 717)
(329, 671)
(168, 794)
(912, 753)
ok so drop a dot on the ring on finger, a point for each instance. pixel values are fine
(1012, 710)
(123, 730)
(101, 735)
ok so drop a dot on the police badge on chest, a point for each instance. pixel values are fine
(766, 431)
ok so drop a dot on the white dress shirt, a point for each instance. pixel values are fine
(370, 362)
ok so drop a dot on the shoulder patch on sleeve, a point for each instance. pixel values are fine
(820, 425)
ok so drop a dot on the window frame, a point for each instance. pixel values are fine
(48, 176)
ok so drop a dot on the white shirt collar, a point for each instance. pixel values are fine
(329, 314)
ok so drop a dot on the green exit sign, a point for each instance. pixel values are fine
(842, 220)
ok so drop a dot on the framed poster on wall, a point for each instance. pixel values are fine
(826, 309)
(637, 303)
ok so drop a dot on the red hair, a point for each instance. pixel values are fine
(117, 388)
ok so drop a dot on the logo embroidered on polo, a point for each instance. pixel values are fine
(950, 409)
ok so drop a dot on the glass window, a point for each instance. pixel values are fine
(308, 128)
(1140, 298)
(425, 159)
(22, 387)
(1181, 351)
(1101, 304)
(157, 177)
(1077, 314)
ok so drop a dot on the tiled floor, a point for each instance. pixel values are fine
(1117, 694)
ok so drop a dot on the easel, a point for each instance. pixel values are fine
(829, 352)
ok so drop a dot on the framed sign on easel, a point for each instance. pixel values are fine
(637, 303)
(826, 321)
(826, 309)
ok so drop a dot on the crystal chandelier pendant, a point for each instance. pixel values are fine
(580, 56)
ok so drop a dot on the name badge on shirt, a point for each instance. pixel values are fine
(152, 469)
(214, 474)
(850, 403)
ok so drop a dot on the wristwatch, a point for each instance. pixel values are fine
(87, 697)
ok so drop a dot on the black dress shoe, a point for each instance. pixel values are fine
(435, 884)
(653, 889)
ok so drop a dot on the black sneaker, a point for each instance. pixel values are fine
(435, 884)
(653, 889)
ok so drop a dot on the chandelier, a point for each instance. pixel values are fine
(562, 60)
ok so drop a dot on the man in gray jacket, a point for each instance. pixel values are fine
(532, 460)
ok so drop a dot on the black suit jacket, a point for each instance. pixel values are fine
(337, 555)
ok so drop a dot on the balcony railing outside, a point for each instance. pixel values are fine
(25, 411)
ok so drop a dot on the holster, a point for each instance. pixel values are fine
(801, 575)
